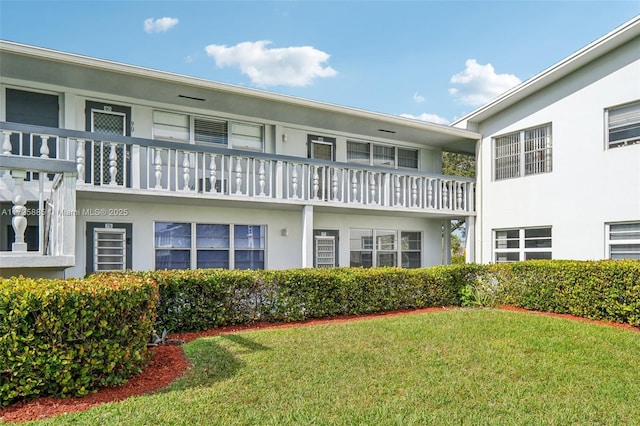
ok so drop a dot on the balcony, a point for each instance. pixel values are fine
(37, 194)
(125, 165)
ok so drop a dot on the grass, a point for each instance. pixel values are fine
(461, 366)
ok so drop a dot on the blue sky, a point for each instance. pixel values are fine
(431, 59)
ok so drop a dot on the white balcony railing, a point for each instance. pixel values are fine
(117, 163)
(40, 193)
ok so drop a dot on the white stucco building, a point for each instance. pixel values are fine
(559, 159)
(106, 166)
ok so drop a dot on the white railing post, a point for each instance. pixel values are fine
(80, 160)
(261, 178)
(157, 165)
(294, 180)
(19, 221)
(44, 146)
(186, 174)
(113, 164)
(213, 174)
(238, 171)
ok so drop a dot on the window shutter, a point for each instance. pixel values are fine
(210, 131)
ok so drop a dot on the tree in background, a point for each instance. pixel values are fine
(464, 165)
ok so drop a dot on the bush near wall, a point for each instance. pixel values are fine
(603, 290)
(68, 337)
(202, 299)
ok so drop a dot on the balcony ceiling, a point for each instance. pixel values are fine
(118, 80)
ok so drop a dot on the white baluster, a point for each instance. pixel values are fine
(157, 165)
(397, 193)
(113, 164)
(354, 186)
(414, 192)
(186, 175)
(261, 177)
(294, 180)
(316, 183)
(459, 196)
(372, 188)
(445, 195)
(334, 184)
(213, 173)
(44, 146)
(19, 221)
(6, 143)
(430, 192)
(80, 160)
(238, 176)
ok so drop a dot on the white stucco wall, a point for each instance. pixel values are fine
(590, 185)
(282, 251)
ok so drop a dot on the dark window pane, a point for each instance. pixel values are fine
(248, 236)
(537, 255)
(212, 236)
(173, 259)
(411, 260)
(213, 259)
(362, 259)
(249, 259)
(537, 233)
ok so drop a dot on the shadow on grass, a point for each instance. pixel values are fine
(215, 359)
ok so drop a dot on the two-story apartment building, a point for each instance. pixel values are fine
(106, 166)
(559, 159)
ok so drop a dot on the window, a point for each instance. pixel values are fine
(177, 127)
(512, 245)
(623, 240)
(623, 125)
(210, 131)
(214, 246)
(522, 153)
(381, 155)
(170, 126)
(375, 247)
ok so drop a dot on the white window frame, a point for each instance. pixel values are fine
(396, 152)
(627, 115)
(530, 151)
(193, 248)
(630, 238)
(374, 247)
(233, 131)
(521, 250)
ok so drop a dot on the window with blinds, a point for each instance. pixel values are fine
(210, 131)
(381, 155)
(623, 125)
(512, 245)
(525, 152)
(623, 240)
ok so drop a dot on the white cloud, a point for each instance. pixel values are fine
(418, 98)
(289, 66)
(432, 118)
(159, 25)
(478, 84)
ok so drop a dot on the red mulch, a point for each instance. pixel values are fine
(168, 363)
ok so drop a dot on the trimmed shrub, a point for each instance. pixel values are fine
(68, 337)
(603, 290)
(201, 299)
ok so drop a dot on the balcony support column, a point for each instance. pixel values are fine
(19, 221)
(446, 241)
(470, 244)
(307, 237)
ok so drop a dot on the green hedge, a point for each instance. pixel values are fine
(68, 337)
(201, 299)
(603, 290)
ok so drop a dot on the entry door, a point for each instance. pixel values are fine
(325, 248)
(108, 247)
(321, 148)
(108, 120)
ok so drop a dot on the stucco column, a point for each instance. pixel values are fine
(307, 237)
(446, 246)
(470, 244)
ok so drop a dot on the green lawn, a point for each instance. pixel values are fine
(460, 366)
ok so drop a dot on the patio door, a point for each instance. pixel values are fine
(321, 148)
(110, 120)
